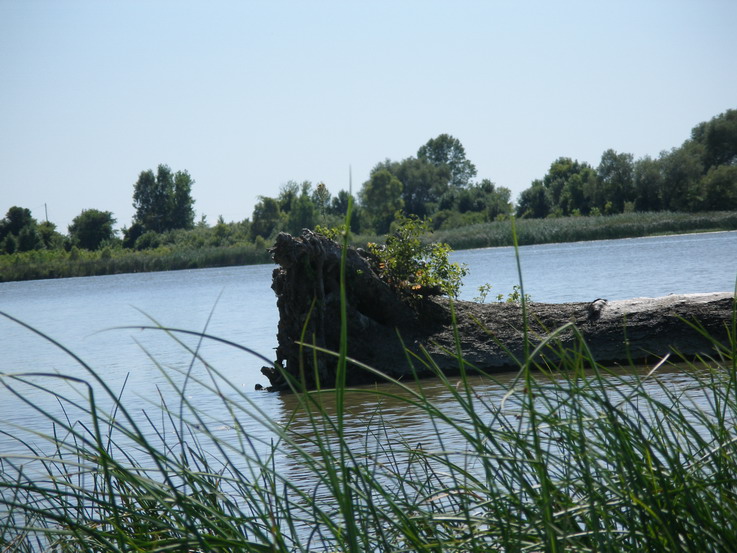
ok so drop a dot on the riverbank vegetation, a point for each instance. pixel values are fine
(566, 457)
(110, 261)
(575, 229)
(689, 188)
(225, 244)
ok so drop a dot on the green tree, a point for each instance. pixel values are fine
(19, 231)
(339, 209)
(573, 199)
(339, 203)
(447, 151)
(164, 201)
(569, 183)
(50, 238)
(718, 137)
(151, 200)
(15, 220)
(569, 187)
(132, 234)
(303, 213)
(534, 202)
(485, 197)
(558, 175)
(720, 188)
(498, 199)
(29, 239)
(648, 179)
(182, 212)
(423, 183)
(615, 174)
(92, 228)
(682, 169)
(381, 197)
(8, 244)
(266, 217)
(321, 198)
(288, 194)
(149, 240)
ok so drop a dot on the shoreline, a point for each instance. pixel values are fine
(46, 264)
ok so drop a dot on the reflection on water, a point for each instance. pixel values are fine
(612, 269)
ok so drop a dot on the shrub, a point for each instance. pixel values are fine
(413, 267)
(149, 240)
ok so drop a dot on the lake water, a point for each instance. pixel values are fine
(99, 318)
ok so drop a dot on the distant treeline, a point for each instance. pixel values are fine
(700, 175)
(438, 183)
(38, 264)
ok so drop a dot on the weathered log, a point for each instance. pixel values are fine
(387, 330)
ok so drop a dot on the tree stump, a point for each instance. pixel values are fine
(398, 334)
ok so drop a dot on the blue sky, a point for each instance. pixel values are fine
(249, 95)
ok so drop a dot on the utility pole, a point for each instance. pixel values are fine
(46, 212)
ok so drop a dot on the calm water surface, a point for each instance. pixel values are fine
(611, 269)
(93, 317)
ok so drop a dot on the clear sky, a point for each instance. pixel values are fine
(248, 95)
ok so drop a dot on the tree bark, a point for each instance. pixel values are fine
(403, 335)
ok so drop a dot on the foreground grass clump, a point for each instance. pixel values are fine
(565, 458)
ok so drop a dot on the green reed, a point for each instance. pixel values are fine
(574, 229)
(572, 457)
(60, 264)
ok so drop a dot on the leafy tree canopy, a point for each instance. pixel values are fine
(381, 197)
(534, 201)
(91, 228)
(719, 139)
(303, 213)
(448, 151)
(266, 216)
(19, 231)
(15, 220)
(616, 179)
(164, 201)
(682, 169)
(423, 183)
(50, 238)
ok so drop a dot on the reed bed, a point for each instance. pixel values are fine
(574, 229)
(572, 457)
(60, 264)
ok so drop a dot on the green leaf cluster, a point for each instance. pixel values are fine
(413, 267)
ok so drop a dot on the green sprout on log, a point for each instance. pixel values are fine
(413, 267)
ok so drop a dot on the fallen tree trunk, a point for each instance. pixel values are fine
(394, 334)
